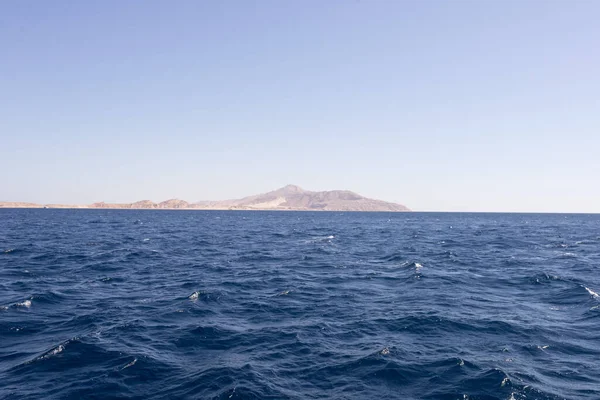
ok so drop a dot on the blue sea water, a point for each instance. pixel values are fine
(298, 305)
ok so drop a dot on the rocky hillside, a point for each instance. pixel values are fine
(290, 197)
(144, 204)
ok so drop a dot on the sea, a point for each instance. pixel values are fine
(157, 304)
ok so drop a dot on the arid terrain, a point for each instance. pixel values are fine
(290, 197)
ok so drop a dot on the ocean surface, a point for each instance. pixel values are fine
(298, 305)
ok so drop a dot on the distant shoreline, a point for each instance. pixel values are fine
(39, 207)
(3, 207)
(287, 198)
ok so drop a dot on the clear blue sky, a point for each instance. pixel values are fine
(439, 105)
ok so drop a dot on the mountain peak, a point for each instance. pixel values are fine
(291, 189)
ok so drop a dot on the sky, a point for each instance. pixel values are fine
(438, 105)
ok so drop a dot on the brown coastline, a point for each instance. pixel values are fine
(290, 198)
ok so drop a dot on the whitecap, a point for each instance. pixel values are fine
(316, 239)
(131, 364)
(26, 303)
(194, 296)
(385, 351)
(505, 381)
(9, 250)
(146, 240)
(592, 293)
(417, 266)
(232, 392)
(53, 352)
(285, 292)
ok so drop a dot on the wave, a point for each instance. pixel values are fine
(25, 303)
(299, 305)
(592, 293)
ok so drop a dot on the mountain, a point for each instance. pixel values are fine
(293, 197)
(174, 203)
(289, 197)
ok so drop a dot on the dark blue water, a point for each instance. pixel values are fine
(276, 305)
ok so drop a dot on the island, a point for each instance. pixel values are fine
(290, 197)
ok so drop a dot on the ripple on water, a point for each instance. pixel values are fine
(161, 304)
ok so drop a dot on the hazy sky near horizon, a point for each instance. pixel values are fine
(438, 105)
